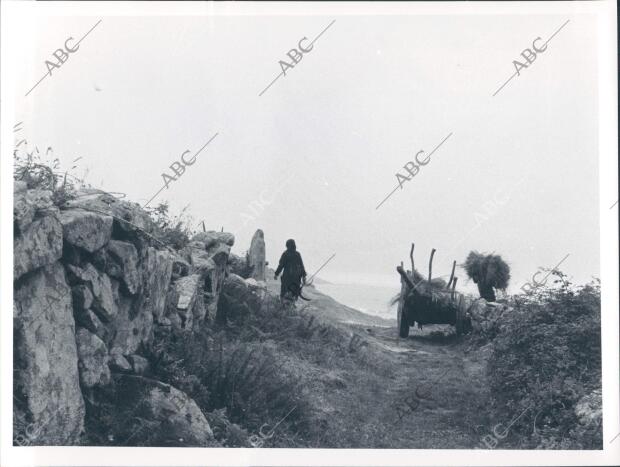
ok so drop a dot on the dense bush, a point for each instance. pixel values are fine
(173, 231)
(547, 359)
(240, 266)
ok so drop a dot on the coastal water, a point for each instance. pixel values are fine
(372, 300)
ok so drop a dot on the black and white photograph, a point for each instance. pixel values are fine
(309, 233)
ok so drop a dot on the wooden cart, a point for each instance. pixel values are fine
(428, 301)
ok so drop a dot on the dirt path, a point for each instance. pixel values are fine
(435, 397)
(375, 405)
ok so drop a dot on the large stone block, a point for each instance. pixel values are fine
(100, 286)
(129, 218)
(122, 263)
(85, 229)
(28, 204)
(38, 245)
(173, 417)
(46, 380)
(256, 256)
(92, 359)
(157, 273)
(133, 325)
(207, 239)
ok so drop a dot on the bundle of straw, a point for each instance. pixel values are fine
(488, 269)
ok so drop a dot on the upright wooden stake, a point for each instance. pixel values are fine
(401, 299)
(411, 256)
(430, 266)
(452, 274)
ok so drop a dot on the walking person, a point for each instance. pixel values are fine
(293, 272)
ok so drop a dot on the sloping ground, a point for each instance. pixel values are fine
(368, 399)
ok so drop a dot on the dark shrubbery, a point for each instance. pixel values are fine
(548, 358)
(235, 376)
(173, 231)
(240, 266)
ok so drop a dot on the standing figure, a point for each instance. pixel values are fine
(294, 271)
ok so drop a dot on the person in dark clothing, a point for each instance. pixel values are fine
(292, 268)
(486, 291)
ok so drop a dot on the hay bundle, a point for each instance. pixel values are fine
(488, 270)
(437, 287)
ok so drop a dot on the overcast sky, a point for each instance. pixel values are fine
(321, 147)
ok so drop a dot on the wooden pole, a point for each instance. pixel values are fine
(454, 286)
(401, 299)
(404, 277)
(452, 274)
(411, 256)
(430, 265)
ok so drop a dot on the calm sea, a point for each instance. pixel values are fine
(372, 300)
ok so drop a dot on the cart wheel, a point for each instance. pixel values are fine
(403, 324)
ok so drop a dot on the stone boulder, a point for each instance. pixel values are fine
(219, 254)
(226, 238)
(82, 297)
(256, 256)
(85, 229)
(486, 317)
(84, 316)
(129, 218)
(92, 359)
(180, 267)
(187, 291)
(201, 261)
(89, 320)
(28, 204)
(171, 417)
(118, 363)
(45, 369)
(133, 325)
(139, 365)
(208, 239)
(589, 409)
(38, 245)
(157, 272)
(122, 263)
(237, 300)
(19, 186)
(100, 286)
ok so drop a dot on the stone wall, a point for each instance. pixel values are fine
(92, 285)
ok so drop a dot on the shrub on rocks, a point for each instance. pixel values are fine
(548, 358)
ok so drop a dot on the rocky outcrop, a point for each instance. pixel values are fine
(589, 409)
(178, 419)
(157, 275)
(238, 300)
(38, 245)
(46, 381)
(92, 359)
(122, 263)
(99, 285)
(256, 256)
(486, 317)
(84, 229)
(97, 265)
(130, 221)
